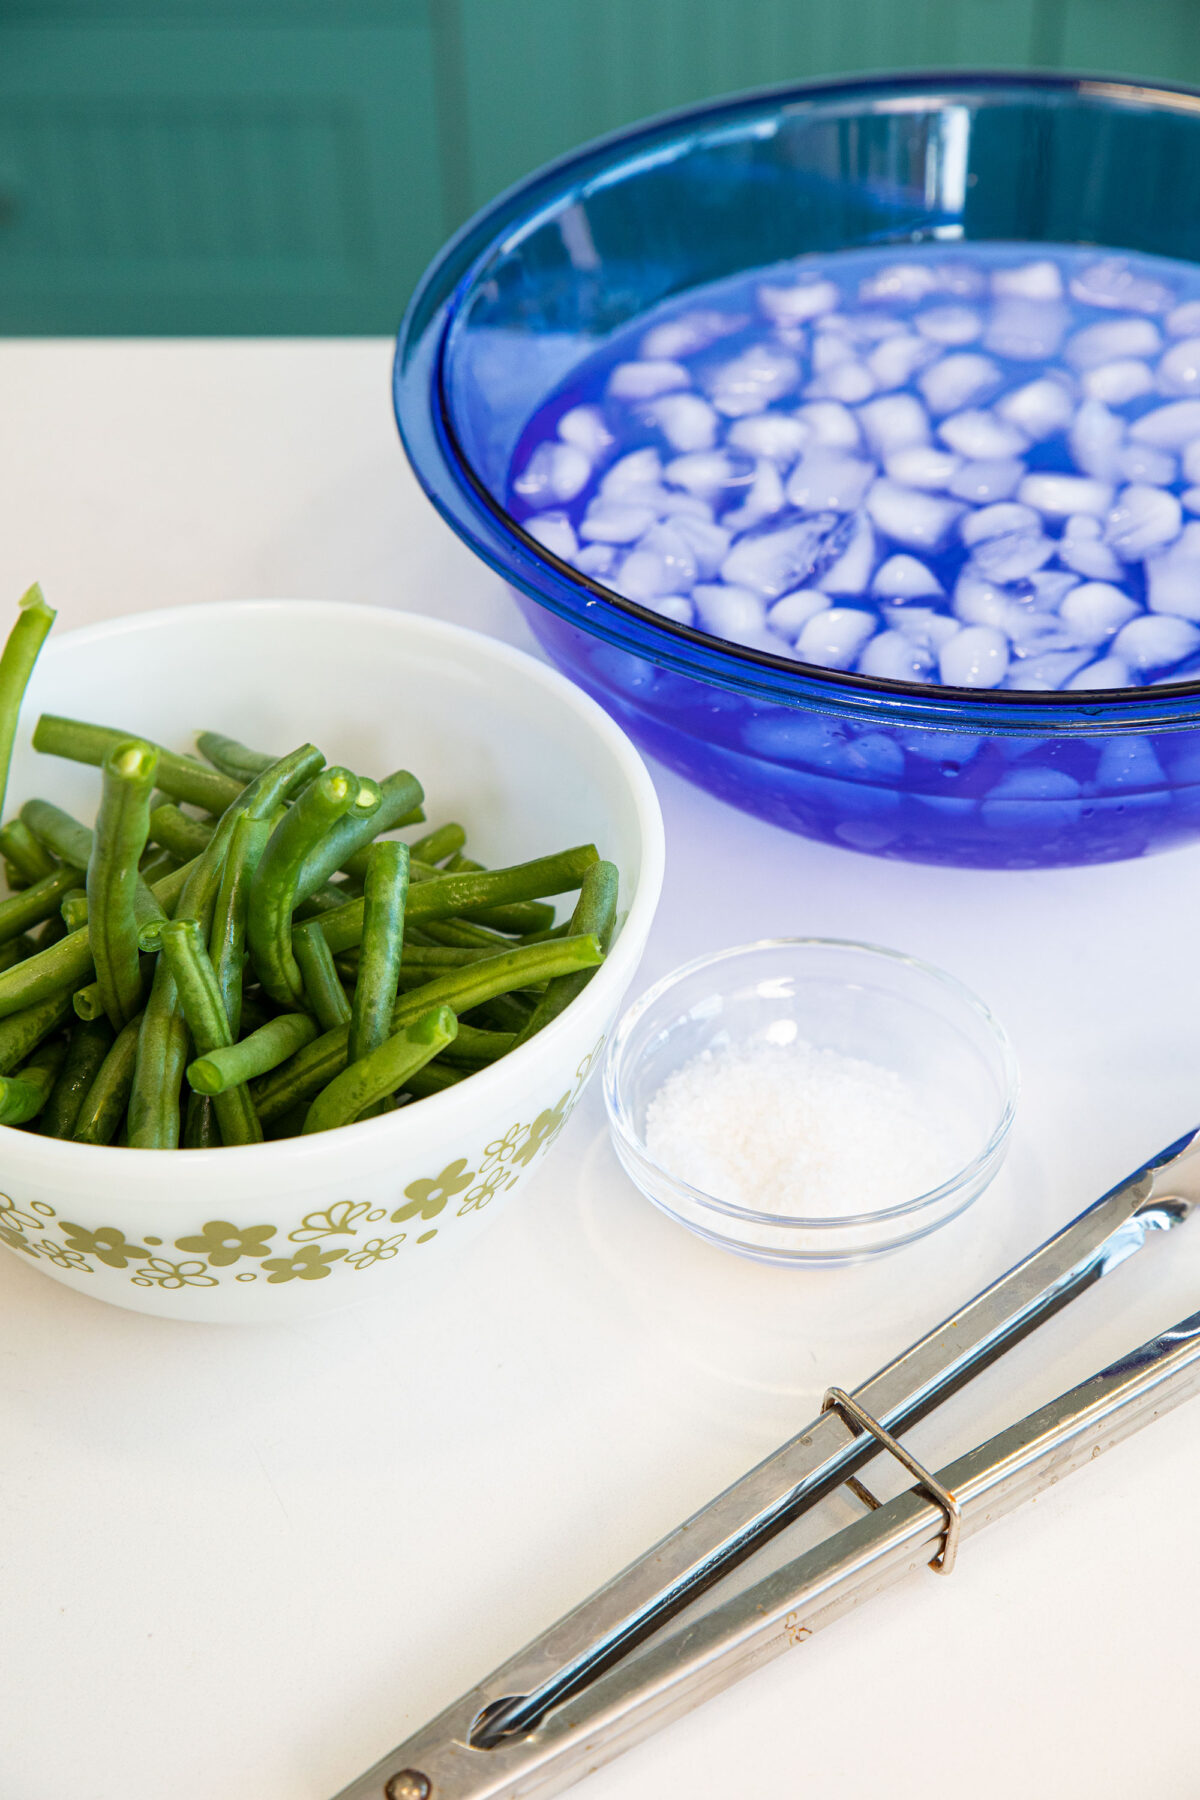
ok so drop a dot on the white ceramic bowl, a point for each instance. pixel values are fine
(527, 763)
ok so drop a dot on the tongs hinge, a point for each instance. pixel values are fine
(839, 1401)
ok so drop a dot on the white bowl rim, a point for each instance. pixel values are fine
(622, 1125)
(388, 1131)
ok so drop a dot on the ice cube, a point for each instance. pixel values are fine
(642, 380)
(975, 657)
(1095, 439)
(1034, 633)
(997, 521)
(893, 422)
(1129, 762)
(1142, 520)
(1184, 321)
(897, 359)
(708, 543)
(849, 382)
(676, 607)
(911, 517)
(851, 573)
(1011, 555)
(1116, 383)
(1047, 672)
(773, 434)
(922, 466)
(761, 375)
(671, 544)
(904, 578)
(957, 381)
(1113, 283)
(673, 503)
(615, 522)
(637, 470)
(1190, 460)
(980, 602)
(1155, 641)
(554, 532)
(1173, 584)
(555, 471)
(991, 480)
(1025, 330)
(1059, 495)
(834, 639)
(1179, 369)
(584, 427)
(596, 560)
(1082, 548)
(710, 473)
(1190, 499)
(1142, 462)
(891, 656)
(830, 423)
(1029, 281)
(1040, 408)
(1050, 586)
(982, 436)
(762, 500)
(1168, 427)
(1112, 340)
(826, 478)
(829, 348)
(899, 282)
(772, 562)
(729, 611)
(922, 624)
(643, 576)
(793, 305)
(791, 614)
(1109, 672)
(1096, 611)
(950, 326)
(684, 336)
(685, 420)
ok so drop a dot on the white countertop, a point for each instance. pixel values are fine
(243, 1562)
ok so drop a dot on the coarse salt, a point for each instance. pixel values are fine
(797, 1131)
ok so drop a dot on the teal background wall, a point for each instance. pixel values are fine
(289, 166)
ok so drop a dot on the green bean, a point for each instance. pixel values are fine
(41, 900)
(447, 895)
(323, 992)
(376, 1076)
(200, 1128)
(273, 891)
(103, 1109)
(21, 849)
(74, 909)
(545, 937)
(523, 917)
(227, 942)
(157, 1058)
(434, 1078)
(118, 840)
(157, 864)
(87, 1047)
(61, 834)
(503, 1012)
(15, 951)
(87, 1002)
(464, 934)
(381, 948)
(438, 844)
(49, 932)
(262, 1051)
(186, 955)
(595, 912)
(232, 758)
(183, 837)
(315, 1066)
(349, 841)
(478, 1048)
(14, 881)
(34, 619)
(23, 1095)
(21, 1032)
(435, 959)
(182, 777)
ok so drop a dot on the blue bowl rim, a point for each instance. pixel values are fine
(470, 509)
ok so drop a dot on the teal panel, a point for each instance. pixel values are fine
(215, 180)
(539, 76)
(1160, 41)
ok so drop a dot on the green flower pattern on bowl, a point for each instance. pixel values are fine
(311, 1251)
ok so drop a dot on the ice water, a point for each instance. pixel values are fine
(976, 466)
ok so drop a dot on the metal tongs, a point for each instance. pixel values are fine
(608, 1674)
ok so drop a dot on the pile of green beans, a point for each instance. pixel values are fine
(239, 949)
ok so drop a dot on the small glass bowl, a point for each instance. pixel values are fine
(858, 999)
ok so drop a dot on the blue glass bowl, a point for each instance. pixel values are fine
(537, 281)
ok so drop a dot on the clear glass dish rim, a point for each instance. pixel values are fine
(622, 1126)
(430, 440)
